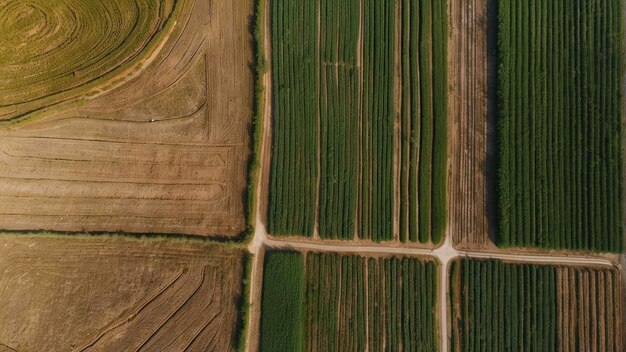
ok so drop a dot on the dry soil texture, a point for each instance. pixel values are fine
(467, 123)
(161, 149)
(99, 294)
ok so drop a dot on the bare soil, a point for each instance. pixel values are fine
(115, 294)
(165, 152)
(589, 309)
(471, 149)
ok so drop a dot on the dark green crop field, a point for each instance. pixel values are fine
(376, 303)
(359, 111)
(560, 175)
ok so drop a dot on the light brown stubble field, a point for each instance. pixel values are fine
(468, 223)
(165, 152)
(114, 294)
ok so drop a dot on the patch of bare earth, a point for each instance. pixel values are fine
(467, 123)
(589, 309)
(165, 152)
(112, 294)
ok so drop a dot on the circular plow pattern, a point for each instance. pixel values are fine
(48, 48)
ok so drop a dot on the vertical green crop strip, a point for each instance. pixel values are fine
(560, 124)
(376, 303)
(339, 117)
(282, 317)
(377, 121)
(293, 180)
(423, 125)
(440, 120)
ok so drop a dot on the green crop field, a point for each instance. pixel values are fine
(294, 109)
(377, 303)
(338, 99)
(423, 153)
(351, 126)
(498, 306)
(560, 124)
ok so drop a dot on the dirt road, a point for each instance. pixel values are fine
(256, 246)
(444, 255)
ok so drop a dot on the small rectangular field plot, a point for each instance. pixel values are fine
(497, 306)
(333, 302)
(359, 113)
(115, 294)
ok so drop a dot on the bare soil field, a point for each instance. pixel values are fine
(468, 124)
(115, 294)
(162, 148)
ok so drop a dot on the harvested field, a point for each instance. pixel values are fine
(468, 222)
(114, 294)
(40, 66)
(377, 303)
(359, 114)
(499, 306)
(161, 148)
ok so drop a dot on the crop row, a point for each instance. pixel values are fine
(423, 124)
(338, 117)
(377, 121)
(589, 310)
(342, 96)
(376, 303)
(560, 131)
(517, 307)
(293, 176)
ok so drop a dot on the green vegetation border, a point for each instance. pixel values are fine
(243, 305)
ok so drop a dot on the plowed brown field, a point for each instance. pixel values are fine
(468, 222)
(152, 295)
(162, 149)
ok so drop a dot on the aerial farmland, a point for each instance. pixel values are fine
(323, 175)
